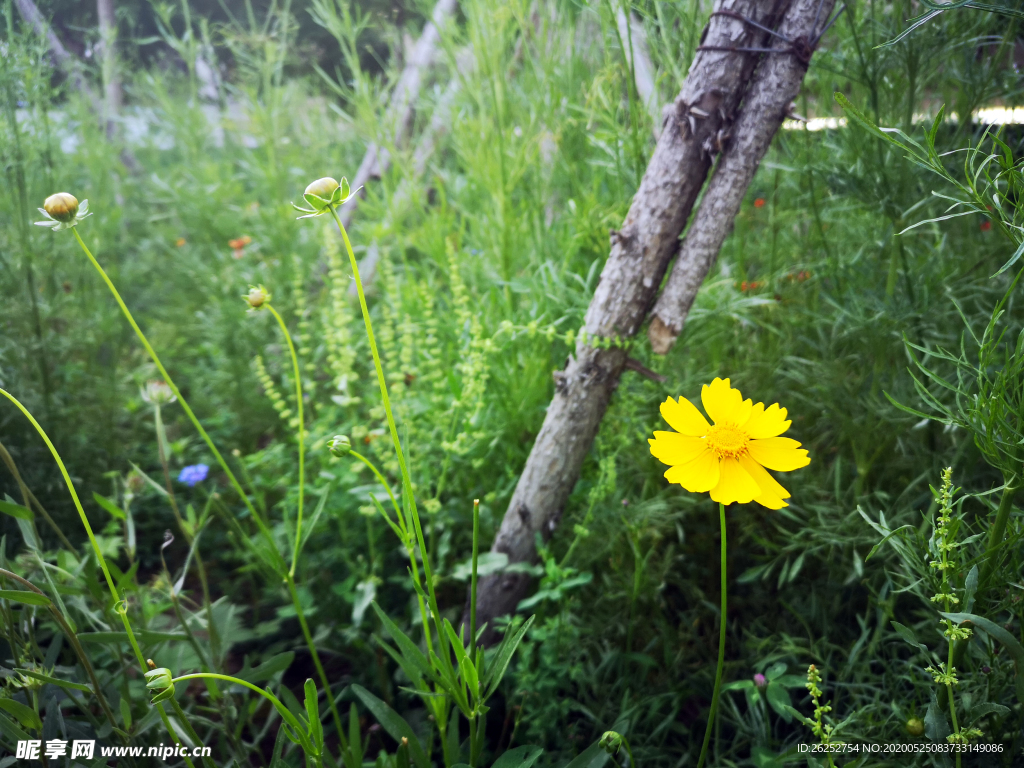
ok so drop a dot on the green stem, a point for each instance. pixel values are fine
(286, 715)
(290, 582)
(302, 436)
(184, 404)
(472, 583)
(96, 548)
(995, 538)
(721, 648)
(406, 479)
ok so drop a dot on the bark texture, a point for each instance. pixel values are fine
(775, 85)
(401, 110)
(640, 253)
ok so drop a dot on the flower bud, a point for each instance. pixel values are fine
(157, 392)
(340, 445)
(322, 188)
(158, 679)
(257, 297)
(62, 206)
(611, 742)
(915, 726)
(760, 681)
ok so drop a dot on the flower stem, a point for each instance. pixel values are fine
(472, 583)
(301, 433)
(184, 404)
(995, 538)
(721, 648)
(96, 549)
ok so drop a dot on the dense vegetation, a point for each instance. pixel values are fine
(895, 350)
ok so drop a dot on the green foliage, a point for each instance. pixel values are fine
(863, 258)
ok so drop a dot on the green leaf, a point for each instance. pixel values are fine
(16, 510)
(520, 757)
(862, 120)
(970, 587)
(267, 669)
(24, 715)
(53, 680)
(587, 757)
(410, 652)
(887, 537)
(908, 634)
(11, 730)
(778, 698)
(126, 713)
(987, 708)
(996, 632)
(146, 636)
(393, 723)
(936, 727)
(316, 729)
(466, 666)
(24, 596)
(108, 505)
(509, 643)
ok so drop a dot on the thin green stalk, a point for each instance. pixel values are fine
(158, 424)
(290, 583)
(286, 715)
(998, 531)
(406, 479)
(118, 604)
(472, 583)
(721, 648)
(301, 436)
(184, 404)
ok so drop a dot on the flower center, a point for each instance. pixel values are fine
(727, 441)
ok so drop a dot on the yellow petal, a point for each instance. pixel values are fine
(779, 453)
(674, 448)
(724, 404)
(772, 494)
(766, 422)
(696, 476)
(734, 484)
(684, 417)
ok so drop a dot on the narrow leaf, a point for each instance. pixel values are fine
(394, 724)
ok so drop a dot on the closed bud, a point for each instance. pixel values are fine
(915, 726)
(340, 445)
(158, 679)
(62, 206)
(62, 211)
(760, 681)
(322, 188)
(257, 297)
(611, 742)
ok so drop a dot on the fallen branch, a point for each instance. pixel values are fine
(640, 253)
(774, 87)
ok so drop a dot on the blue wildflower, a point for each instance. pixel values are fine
(193, 474)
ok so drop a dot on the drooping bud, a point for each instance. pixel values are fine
(915, 726)
(257, 297)
(611, 742)
(159, 681)
(339, 446)
(62, 206)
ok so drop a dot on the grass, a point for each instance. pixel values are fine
(484, 268)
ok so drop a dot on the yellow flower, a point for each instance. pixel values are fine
(730, 458)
